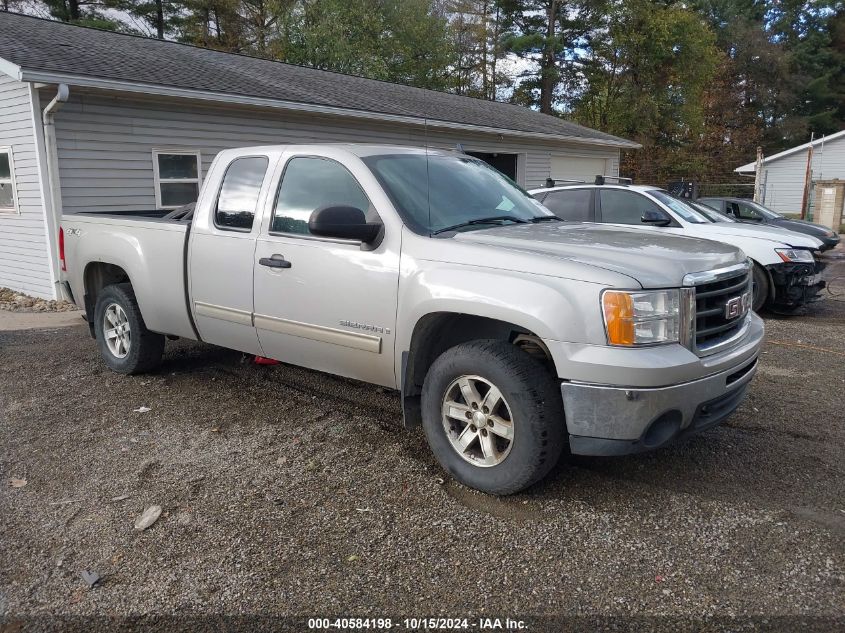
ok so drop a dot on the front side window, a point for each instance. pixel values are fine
(624, 207)
(752, 211)
(238, 198)
(573, 205)
(177, 178)
(310, 183)
(7, 185)
(433, 192)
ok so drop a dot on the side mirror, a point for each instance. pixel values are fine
(343, 222)
(655, 217)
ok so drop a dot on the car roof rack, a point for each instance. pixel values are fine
(601, 180)
(551, 182)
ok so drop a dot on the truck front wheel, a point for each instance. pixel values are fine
(125, 343)
(493, 416)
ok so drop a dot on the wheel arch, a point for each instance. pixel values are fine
(436, 332)
(96, 276)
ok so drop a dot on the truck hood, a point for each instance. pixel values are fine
(782, 236)
(654, 259)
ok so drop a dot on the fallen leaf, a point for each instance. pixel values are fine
(17, 483)
(141, 410)
(352, 558)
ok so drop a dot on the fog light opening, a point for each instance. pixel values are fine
(663, 429)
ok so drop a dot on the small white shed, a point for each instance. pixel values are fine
(784, 174)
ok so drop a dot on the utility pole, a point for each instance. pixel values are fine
(808, 180)
(758, 172)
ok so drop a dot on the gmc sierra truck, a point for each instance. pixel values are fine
(507, 332)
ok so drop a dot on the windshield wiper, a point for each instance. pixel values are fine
(490, 220)
(546, 218)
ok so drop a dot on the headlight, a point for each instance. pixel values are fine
(795, 255)
(641, 318)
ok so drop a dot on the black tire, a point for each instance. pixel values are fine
(531, 394)
(760, 295)
(145, 348)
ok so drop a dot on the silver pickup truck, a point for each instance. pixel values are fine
(508, 333)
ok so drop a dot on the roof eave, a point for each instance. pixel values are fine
(10, 69)
(85, 81)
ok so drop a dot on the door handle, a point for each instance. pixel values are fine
(276, 261)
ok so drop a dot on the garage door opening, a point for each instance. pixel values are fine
(505, 163)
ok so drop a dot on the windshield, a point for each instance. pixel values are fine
(766, 213)
(679, 206)
(710, 214)
(463, 189)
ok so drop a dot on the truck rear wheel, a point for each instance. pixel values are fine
(493, 416)
(125, 343)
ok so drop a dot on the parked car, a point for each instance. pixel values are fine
(506, 331)
(786, 272)
(746, 210)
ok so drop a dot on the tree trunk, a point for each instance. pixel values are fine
(485, 82)
(496, 52)
(160, 19)
(73, 10)
(547, 63)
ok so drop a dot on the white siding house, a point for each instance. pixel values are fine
(784, 174)
(24, 255)
(97, 121)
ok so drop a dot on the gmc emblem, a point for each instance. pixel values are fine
(735, 307)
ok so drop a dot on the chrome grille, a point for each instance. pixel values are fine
(714, 321)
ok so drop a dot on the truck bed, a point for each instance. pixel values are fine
(149, 246)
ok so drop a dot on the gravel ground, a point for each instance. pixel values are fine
(14, 301)
(287, 492)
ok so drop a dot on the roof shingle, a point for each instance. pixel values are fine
(45, 46)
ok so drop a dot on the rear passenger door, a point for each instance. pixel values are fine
(222, 246)
(571, 205)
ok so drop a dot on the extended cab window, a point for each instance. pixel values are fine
(310, 183)
(624, 207)
(238, 197)
(574, 205)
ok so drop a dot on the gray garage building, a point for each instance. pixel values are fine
(92, 120)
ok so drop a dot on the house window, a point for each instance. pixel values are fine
(177, 177)
(8, 203)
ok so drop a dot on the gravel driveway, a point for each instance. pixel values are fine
(286, 492)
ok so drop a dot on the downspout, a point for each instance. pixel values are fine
(51, 149)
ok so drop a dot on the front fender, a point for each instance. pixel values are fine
(552, 308)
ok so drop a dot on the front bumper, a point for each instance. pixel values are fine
(829, 242)
(796, 284)
(637, 413)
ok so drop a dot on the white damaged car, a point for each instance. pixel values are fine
(787, 272)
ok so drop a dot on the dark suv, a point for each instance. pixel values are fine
(746, 210)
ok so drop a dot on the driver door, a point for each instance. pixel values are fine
(327, 304)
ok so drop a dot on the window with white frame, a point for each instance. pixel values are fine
(8, 201)
(177, 177)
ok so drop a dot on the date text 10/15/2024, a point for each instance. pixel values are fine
(418, 624)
